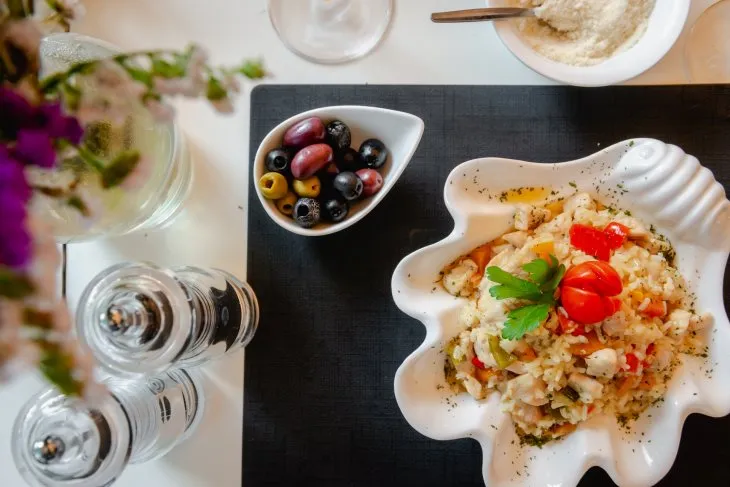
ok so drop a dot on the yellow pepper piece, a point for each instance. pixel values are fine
(544, 249)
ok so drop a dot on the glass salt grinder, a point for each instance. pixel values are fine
(139, 319)
(60, 441)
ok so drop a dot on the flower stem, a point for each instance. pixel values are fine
(88, 157)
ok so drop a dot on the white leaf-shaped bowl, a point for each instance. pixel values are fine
(400, 132)
(660, 184)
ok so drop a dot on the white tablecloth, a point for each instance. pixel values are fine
(211, 231)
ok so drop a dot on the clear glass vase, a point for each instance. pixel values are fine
(151, 205)
(139, 319)
(60, 441)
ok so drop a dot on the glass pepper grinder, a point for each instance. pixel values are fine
(61, 441)
(140, 319)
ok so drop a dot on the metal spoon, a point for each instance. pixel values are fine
(481, 14)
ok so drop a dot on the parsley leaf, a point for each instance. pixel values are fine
(538, 269)
(524, 319)
(510, 286)
(544, 278)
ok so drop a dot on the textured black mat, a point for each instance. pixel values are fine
(319, 402)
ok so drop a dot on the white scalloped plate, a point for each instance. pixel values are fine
(660, 184)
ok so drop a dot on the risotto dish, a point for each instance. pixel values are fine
(577, 311)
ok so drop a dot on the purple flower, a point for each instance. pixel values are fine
(34, 146)
(16, 244)
(60, 126)
(15, 241)
(12, 176)
(16, 112)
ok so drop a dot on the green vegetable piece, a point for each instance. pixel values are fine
(502, 358)
(570, 393)
(523, 320)
(450, 352)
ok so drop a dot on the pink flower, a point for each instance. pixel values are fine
(162, 112)
(68, 9)
(224, 105)
(25, 35)
(231, 83)
(176, 86)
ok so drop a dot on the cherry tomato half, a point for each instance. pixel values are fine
(590, 240)
(616, 234)
(587, 292)
(595, 276)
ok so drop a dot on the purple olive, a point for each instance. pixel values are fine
(372, 181)
(311, 160)
(308, 131)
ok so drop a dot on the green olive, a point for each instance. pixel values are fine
(273, 185)
(286, 204)
(308, 188)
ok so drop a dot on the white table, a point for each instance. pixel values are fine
(211, 231)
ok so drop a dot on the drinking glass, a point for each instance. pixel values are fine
(60, 441)
(151, 205)
(707, 52)
(140, 319)
(331, 31)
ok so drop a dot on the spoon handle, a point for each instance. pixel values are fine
(481, 14)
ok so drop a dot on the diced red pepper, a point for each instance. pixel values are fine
(591, 408)
(656, 309)
(616, 234)
(632, 361)
(649, 355)
(569, 326)
(590, 240)
(478, 363)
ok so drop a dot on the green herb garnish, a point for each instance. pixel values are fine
(539, 289)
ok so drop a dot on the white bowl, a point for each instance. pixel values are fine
(400, 132)
(665, 25)
(661, 185)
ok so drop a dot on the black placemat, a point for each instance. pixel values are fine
(319, 407)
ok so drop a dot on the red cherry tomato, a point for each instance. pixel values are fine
(478, 363)
(595, 276)
(590, 240)
(632, 361)
(587, 290)
(616, 234)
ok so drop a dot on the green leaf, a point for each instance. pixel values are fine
(38, 319)
(552, 283)
(71, 96)
(539, 270)
(57, 367)
(74, 201)
(511, 286)
(121, 167)
(252, 69)
(164, 69)
(523, 320)
(14, 285)
(140, 75)
(50, 83)
(215, 90)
